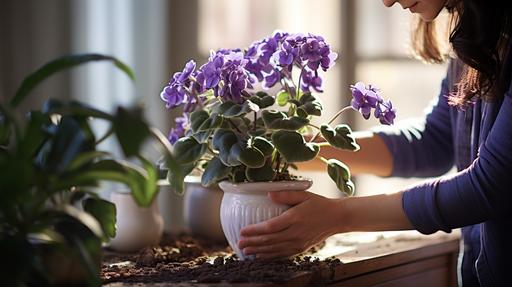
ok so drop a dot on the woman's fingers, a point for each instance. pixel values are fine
(265, 239)
(272, 225)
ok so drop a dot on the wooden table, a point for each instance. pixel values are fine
(383, 259)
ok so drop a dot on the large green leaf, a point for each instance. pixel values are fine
(340, 174)
(69, 141)
(34, 134)
(131, 131)
(280, 121)
(292, 146)
(188, 150)
(66, 62)
(140, 180)
(340, 137)
(104, 212)
(214, 172)
(73, 108)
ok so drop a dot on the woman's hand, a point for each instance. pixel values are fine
(311, 219)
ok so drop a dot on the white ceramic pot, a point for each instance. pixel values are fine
(137, 227)
(247, 203)
(171, 207)
(202, 210)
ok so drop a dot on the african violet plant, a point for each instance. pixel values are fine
(233, 128)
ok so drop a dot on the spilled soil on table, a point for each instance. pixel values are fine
(184, 259)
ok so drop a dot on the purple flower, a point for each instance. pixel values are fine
(175, 92)
(182, 77)
(311, 80)
(385, 113)
(181, 124)
(364, 99)
(209, 74)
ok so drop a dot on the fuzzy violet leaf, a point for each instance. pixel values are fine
(189, 150)
(262, 144)
(340, 137)
(277, 120)
(202, 121)
(251, 157)
(264, 173)
(226, 142)
(292, 146)
(340, 174)
(214, 172)
(230, 109)
(309, 105)
(263, 100)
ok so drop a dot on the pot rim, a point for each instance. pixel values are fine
(265, 186)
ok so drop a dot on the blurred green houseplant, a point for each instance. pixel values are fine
(49, 165)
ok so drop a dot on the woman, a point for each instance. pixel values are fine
(468, 126)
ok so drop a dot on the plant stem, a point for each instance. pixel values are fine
(322, 159)
(314, 126)
(331, 120)
(300, 80)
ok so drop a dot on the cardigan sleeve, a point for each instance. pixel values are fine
(478, 193)
(422, 147)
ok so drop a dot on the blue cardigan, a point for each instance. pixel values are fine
(478, 198)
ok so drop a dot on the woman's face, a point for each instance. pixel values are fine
(427, 9)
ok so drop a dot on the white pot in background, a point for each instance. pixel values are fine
(171, 207)
(137, 227)
(201, 210)
(247, 203)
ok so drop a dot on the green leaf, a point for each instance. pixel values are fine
(230, 109)
(131, 131)
(188, 150)
(202, 121)
(264, 173)
(309, 106)
(280, 121)
(66, 62)
(226, 142)
(251, 157)
(197, 118)
(264, 145)
(215, 171)
(86, 158)
(142, 181)
(340, 137)
(292, 146)
(282, 98)
(176, 175)
(340, 174)
(263, 100)
(73, 108)
(34, 135)
(68, 142)
(104, 212)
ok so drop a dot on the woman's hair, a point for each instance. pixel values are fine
(480, 36)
